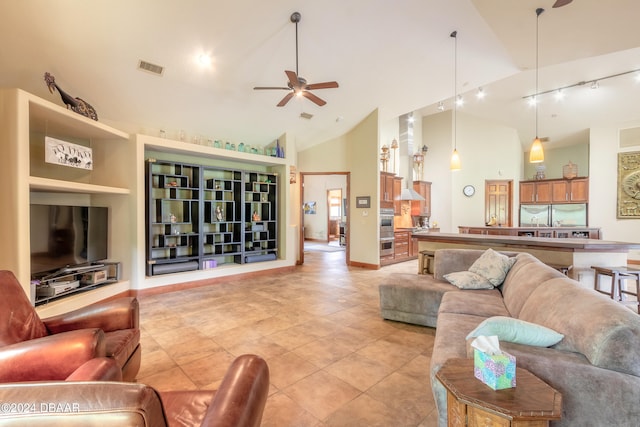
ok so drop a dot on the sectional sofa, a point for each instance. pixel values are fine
(595, 366)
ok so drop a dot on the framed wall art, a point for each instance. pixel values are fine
(65, 153)
(629, 185)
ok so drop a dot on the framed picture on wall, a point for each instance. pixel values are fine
(309, 208)
(363, 201)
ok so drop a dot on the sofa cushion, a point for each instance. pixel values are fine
(524, 277)
(484, 303)
(606, 332)
(518, 331)
(468, 280)
(493, 266)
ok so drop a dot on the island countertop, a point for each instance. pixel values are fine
(558, 244)
(577, 254)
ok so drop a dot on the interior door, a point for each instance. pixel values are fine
(498, 201)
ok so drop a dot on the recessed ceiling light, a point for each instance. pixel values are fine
(204, 60)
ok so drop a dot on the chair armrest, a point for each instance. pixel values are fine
(240, 400)
(114, 315)
(53, 357)
(98, 369)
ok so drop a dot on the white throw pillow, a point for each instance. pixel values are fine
(468, 280)
(493, 266)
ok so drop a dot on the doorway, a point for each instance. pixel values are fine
(328, 221)
(498, 202)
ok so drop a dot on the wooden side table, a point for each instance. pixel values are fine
(532, 403)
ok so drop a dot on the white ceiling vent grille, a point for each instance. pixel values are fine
(151, 68)
(306, 116)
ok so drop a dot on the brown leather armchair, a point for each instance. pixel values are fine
(239, 402)
(51, 349)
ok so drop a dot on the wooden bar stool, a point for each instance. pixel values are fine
(425, 260)
(618, 275)
(631, 274)
(562, 268)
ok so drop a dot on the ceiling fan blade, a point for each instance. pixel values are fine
(325, 85)
(286, 99)
(293, 79)
(560, 3)
(270, 87)
(313, 98)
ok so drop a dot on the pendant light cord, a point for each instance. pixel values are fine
(538, 13)
(455, 89)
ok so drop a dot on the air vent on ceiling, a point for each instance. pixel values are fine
(306, 116)
(151, 68)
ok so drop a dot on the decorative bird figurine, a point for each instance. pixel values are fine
(74, 104)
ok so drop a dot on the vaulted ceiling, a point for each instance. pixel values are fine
(394, 56)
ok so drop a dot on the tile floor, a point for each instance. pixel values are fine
(333, 360)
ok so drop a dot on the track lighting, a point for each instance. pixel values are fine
(595, 84)
(480, 94)
(440, 106)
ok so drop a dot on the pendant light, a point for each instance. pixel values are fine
(536, 153)
(455, 157)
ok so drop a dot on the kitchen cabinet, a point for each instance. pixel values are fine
(397, 191)
(555, 191)
(422, 207)
(535, 192)
(386, 190)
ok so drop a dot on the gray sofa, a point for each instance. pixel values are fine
(596, 366)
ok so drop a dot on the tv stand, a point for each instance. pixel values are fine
(70, 280)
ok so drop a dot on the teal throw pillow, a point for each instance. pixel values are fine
(517, 331)
(493, 266)
(468, 280)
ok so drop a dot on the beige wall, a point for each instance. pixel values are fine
(556, 158)
(603, 182)
(355, 152)
(488, 151)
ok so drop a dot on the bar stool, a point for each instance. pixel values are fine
(618, 275)
(562, 268)
(633, 274)
(425, 259)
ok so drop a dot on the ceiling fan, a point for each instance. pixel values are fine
(560, 3)
(298, 85)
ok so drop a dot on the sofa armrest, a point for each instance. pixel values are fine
(98, 369)
(53, 357)
(242, 395)
(117, 314)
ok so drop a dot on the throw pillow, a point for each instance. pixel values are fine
(493, 266)
(517, 331)
(468, 280)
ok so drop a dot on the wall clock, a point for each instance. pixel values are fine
(629, 185)
(469, 190)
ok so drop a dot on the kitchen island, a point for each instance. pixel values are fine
(579, 253)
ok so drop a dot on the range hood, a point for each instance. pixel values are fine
(410, 194)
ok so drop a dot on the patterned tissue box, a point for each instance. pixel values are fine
(496, 371)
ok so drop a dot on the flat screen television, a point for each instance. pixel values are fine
(65, 237)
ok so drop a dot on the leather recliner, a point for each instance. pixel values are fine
(238, 402)
(51, 349)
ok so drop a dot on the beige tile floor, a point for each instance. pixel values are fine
(333, 360)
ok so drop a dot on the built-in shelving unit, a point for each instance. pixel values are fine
(200, 217)
(25, 121)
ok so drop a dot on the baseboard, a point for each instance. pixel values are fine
(364, 265)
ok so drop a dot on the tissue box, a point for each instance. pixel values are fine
(498, 372)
